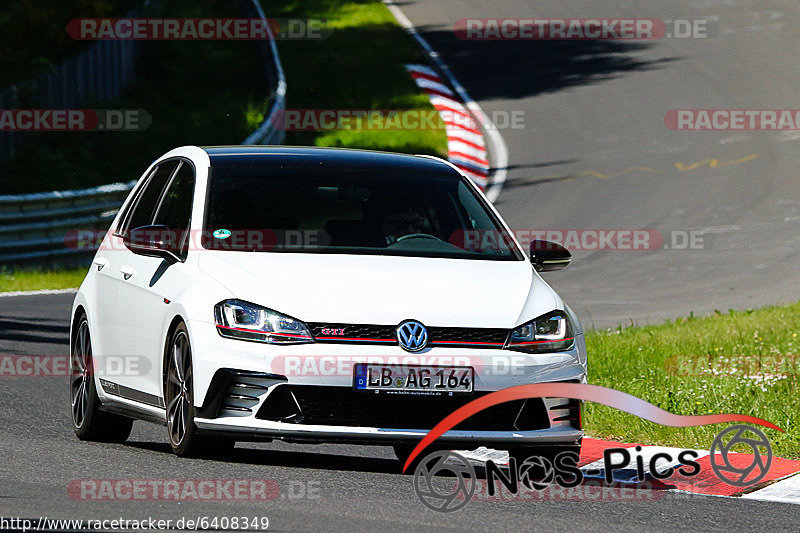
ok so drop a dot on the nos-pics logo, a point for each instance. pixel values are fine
(446, 481)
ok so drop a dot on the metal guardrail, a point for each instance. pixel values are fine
(267, 133)
(102, 72)
(34, 227)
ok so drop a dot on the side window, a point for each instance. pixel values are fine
(176, 206)
(144, 209)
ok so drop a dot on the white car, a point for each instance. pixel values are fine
(318, 295)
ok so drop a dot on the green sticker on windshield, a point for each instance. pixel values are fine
(222, 233)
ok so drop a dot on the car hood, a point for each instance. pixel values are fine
(364, 289)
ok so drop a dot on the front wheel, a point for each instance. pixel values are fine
(88, 421)
(402, 451)
(179, 396)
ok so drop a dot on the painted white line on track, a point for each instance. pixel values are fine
(481, 455)
(497, 146)
(37, 293)
(786, 491)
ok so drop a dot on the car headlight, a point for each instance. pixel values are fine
(548, 333)
(242, 320)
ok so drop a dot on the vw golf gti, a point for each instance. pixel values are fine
(319, 295)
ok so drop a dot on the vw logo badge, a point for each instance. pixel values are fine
(412, 336)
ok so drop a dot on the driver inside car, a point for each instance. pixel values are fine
(404, 224)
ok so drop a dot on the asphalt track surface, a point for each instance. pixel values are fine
(351, 488)
(595, 152)
(591, 109)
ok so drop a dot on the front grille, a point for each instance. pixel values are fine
(352, 331)
(464, 335)
(343, 406)
(379, 334)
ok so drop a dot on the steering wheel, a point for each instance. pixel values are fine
(418, 235)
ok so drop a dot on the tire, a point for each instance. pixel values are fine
(402, 451)
(88, 421)
(183, 435)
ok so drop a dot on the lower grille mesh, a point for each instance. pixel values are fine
(343, 406)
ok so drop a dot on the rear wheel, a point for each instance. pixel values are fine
(179, 396)
(88, 421)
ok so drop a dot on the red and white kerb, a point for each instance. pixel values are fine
(465, 145)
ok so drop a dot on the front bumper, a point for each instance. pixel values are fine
(237, 384)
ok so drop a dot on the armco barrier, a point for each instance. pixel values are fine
(100, 72)
(33, 226)
(266, 133)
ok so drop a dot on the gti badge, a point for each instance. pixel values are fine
(412, 336)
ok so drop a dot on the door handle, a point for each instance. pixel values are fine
(100, 262)
(127, 272)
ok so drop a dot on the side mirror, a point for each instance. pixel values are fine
(154, 241)
(548, 256)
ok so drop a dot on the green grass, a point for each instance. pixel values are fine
(197, 92)
(360, 66)
(213, 93)
(29, 280)
(672, 366)
(33, 38)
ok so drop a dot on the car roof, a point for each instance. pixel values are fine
(282, 156)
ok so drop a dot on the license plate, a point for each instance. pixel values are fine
(410, 379)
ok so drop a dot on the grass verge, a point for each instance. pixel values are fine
(197, 92)
(736, 362)
(213, 93)
(33, 38)
(360, 66)
(30, 280)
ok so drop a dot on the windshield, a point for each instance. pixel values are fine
(349, 211)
